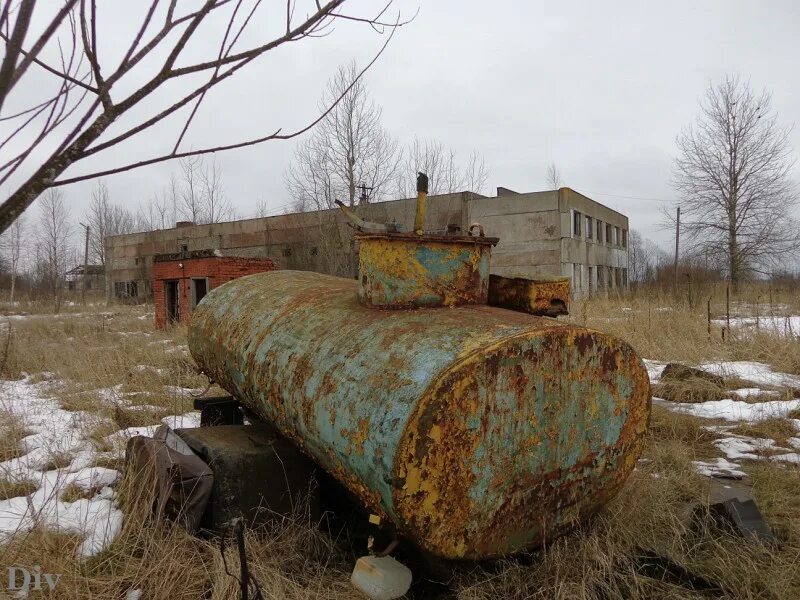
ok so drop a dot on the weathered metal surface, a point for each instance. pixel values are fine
(545, 297)
(404, 270)
(477, 431)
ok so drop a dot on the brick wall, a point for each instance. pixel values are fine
(217, 270)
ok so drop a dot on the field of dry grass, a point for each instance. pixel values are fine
(107, 366)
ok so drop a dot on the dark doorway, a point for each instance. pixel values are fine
(173, 304)
(199, 290)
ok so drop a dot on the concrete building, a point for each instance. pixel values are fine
(550, 233)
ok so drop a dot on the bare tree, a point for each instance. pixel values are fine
(440, 164)
(553, 177)
(105, 218)
(216, 207)
(200, 197)
(190, 200)
(12, 241)
(157, 213)
(52, 241)
(733, 177)
(94, 91)
(644, 258)
(349, 148)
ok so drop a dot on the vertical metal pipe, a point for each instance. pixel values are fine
(422, 196)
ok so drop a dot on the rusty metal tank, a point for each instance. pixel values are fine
(477, 431)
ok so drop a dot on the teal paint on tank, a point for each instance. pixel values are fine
(477, 431)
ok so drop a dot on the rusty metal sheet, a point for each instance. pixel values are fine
(476, 431)
(545, 297)
(405, 270)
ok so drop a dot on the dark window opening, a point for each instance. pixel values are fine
(576, 224)
(608, 234)
(314, 251)
(599, 232)
(287, 252)
(589, 227)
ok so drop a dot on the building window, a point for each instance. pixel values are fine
(287, 252)
(608, 233)
(589, 227)
(125, 289)
(599, 232)
(616, 236)
(590, 274)
(624, 238)
(184, 248)
(576, 224)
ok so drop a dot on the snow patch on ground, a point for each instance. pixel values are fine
(758, 373)
(57, 432)
(747, 392)
(788, 326)
(719, 468)
(736, 410)
(654, 369)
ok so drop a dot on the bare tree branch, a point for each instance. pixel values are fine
(84, 137)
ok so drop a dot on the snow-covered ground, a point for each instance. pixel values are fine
(57, 432)
(783, 326)
(738, 447)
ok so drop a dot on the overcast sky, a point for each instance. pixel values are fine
(599, 88)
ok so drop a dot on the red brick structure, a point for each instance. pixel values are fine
(181, 280)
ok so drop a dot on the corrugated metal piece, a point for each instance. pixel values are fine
(404, 270)
(545, 297)
(477, 431)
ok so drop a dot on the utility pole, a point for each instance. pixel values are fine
(85, 265)
(677, 246)
(364, 197)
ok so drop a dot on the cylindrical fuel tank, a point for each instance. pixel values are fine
(477, 430)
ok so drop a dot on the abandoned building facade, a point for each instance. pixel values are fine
(542, 234)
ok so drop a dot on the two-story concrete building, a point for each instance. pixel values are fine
(550, 233)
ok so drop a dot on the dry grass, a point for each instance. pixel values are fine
(57, 460)
(292, 559)
(15, 488)
(664, 328)
(12, 430)
(777, 429)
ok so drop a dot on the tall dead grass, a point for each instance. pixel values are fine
(609, 557)
(661, 326)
